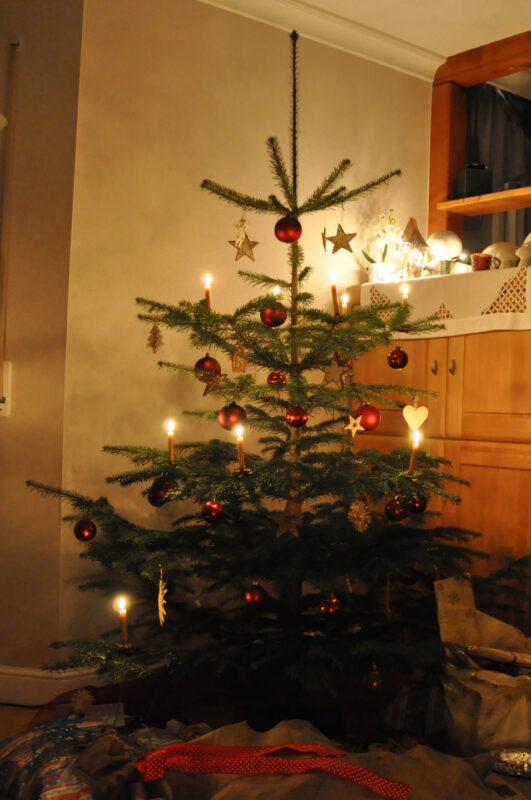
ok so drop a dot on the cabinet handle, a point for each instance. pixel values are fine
(451, 367)
(434, 366)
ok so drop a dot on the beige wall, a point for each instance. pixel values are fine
(39, 222)
(167, 99)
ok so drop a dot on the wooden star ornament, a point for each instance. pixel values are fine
(213, 383)
(341, 240)
(161, 600)
(333, 373)
(244, 247)
(354, 425)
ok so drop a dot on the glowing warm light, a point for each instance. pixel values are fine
(122, 610)
(239, 434)
(207, 280)
(344, 303)
(122, 605)
(170, 430)
(416, 438)
(405, 292)
(414, 448)
(334, 291)
(276, 291)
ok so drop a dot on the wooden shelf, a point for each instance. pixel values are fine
(489, 203)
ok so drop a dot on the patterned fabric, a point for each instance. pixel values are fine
(379, 299)
(255, 760)
(35, 765)
(512, 295)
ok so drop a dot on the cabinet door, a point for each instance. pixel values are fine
(489, 386)
(426, 369)
(497, 503)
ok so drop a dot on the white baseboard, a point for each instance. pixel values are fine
(30, 686)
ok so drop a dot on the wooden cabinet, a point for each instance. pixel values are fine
(488, 393)
(426, 369)
(481, 422)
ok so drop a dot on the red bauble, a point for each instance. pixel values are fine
(162, 491)
(232, 415)
(396, 509)
(273, 317)
(255, 594)
(288, 229)
(276, 378)
(370, 416)
(296, 416)
(85, 530)
(418, 504)
(206, 366)
(397, 358)
(330, 606)
(212, 511)
(375, 678)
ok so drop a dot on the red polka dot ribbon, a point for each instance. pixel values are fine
(254, 760)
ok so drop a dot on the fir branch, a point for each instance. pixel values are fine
(329, 181)
(244, 201)
(278, 167)
(260, 279)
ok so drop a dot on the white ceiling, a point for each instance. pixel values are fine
(415, 36)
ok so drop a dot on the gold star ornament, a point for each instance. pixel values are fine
(354, 425)
(341, 240)
(244, 247)
(161, 600)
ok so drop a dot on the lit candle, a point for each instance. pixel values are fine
(276, 291)
(122, 610)
(239, 440)
(334, 291)
(414, 448)
(208, 282)
(344, 303)
(170, 430)
(405, 292)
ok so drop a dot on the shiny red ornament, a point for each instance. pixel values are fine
(296, 416)
(370, 416)
(396, 509)
(418, 504)
(206, 367)
(255, 594)
(288, 230)
(375, 678)
(232, 415)
(212, 511)
(277, 378)
(162, 491)
(273, 317)
(397, 358)
(85, 530)
(330, 606)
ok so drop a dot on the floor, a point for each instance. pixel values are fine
(14, 719)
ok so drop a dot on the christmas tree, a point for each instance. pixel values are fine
(311, 559)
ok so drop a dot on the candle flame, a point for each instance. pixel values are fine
(276, 291)
(416, 438)
(169, 426)
(344, 299)
(404, 289)
(121, 603)
(207, 280)
(239, 431)
(333, 277)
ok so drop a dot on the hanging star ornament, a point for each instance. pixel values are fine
(341, 240)
(244, 246)
(333, 373)
(354, 425)
(290, 518)
(161, 600)
(213, 383)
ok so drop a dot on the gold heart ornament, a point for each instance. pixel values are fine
(415, 417)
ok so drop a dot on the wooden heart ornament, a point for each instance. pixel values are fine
(415, 417)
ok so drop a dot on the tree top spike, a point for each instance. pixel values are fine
(294, 36)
